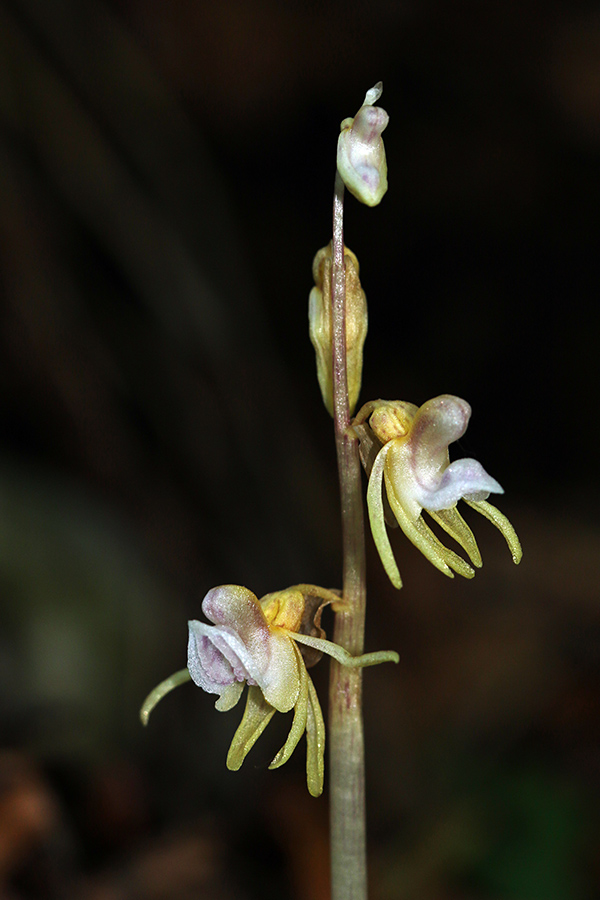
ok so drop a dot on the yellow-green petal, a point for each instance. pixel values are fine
(315, 743)
(418, 532)
(230, 696)
(377, 517)
(280, 682)
(257, 715)
(165, 687)
(300, 715)
(453, 524)
(502, 524)
(452, 559)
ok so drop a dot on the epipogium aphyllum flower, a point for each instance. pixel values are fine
(360, 152)
(406, 451)
(266, 644)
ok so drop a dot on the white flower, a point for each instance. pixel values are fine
(415, 468)
(256, 643)
(361, 155)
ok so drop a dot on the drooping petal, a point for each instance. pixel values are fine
(462, 478)
(377, 516)
(299, 723)
(207, 666)
(315, 743)
(160, 691)
(452, 559)
(416, 531)
(257, 715)
(502, 524)
(241, 646)
(453, 523)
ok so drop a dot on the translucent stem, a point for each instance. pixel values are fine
(346, 745)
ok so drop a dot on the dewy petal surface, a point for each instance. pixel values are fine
(438, 423)
(230, 696)
(207, 665)
(464, 477)
(280, 683)
(257, 715)
(268, 661)
(238, 608)
(266, 654)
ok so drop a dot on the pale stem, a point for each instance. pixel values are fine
(346, 744)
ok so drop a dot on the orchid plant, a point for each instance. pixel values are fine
(269, 644)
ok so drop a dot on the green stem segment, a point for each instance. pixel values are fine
(346, 744)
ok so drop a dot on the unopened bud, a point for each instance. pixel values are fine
(361, 155)
(320, 317)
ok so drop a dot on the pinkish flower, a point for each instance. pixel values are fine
(413, 468)
(256, 643)
(361, 155)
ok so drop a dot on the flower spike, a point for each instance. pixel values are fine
(267, 645)
(406, 449)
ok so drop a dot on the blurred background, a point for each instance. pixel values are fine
(166, 172)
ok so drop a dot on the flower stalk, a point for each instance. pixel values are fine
(268, 645)
(346, 742)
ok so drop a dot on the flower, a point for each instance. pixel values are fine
(414, 465)
(361, 155)
(256, 643)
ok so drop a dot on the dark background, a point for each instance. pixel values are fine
(166, 172)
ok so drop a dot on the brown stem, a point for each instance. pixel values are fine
(346, 744)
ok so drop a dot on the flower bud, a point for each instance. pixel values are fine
(361, 155)
(320, 320)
